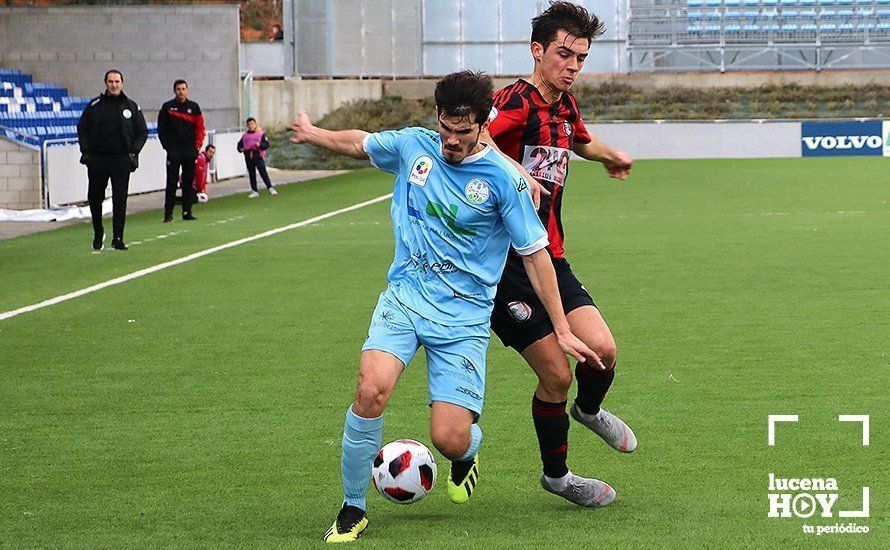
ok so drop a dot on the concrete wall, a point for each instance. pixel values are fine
(265, 58)
(702, 140)
(152, 45)
(276, 102)
(19, 176)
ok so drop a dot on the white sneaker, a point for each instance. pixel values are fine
(253, 195)
(592, 493)
(612, 429)
(272, 191)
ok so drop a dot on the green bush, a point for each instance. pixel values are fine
(607, 101)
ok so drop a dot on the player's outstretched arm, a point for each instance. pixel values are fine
(543, 278)
(535, 188)
(343, 142)
(616, 163)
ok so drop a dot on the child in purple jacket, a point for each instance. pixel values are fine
(254, 144)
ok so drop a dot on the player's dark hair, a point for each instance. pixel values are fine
(113, 71)
(180, 81)
(251, 119)
(572, 18)
(209, 147)
(463, 94)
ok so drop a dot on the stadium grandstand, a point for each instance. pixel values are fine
(724, 35)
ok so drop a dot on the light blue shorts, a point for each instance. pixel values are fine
(455, 354)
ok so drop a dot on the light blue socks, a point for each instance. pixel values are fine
(362, 438)
(475, 443)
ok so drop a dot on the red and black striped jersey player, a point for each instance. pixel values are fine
(536, 123)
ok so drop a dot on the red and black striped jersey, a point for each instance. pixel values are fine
(540, 136)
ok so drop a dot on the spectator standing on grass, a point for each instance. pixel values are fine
(111, 132)
(181, 131)
(253, 145)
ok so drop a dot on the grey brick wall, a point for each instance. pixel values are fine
(19, 176)
(152, 45)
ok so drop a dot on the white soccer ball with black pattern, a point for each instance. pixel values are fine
(404, 471)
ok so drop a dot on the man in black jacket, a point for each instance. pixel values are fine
(111, 133)
(181, 131)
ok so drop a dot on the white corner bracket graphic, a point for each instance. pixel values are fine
(863, 513)
(857, 418)
(771, 423)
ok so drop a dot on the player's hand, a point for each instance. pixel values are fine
(536, 189)
(301, 128)
(619, 166)
(573, 346)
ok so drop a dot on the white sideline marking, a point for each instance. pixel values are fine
(149, 270)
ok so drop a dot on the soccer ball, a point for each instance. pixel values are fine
(202, 197)
(404, 471)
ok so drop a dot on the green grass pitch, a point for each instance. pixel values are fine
(202, 406)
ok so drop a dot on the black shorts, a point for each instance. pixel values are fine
(519, 318)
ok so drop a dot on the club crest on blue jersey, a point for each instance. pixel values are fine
(477, 191)
(420, 171)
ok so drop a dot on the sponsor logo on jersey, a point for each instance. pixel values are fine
(449, 217)
(567, 128)
(521, 185)
(462, 296)
(477, 191)
(420, 171)
(546, 163)
(421, 264)
(520, 311)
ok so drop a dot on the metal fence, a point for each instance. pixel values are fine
(707, 35)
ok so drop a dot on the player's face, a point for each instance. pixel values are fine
(209, 153)
(182, 92)
(460, 137)
(562, 60)
(251, 126)
(114, 84)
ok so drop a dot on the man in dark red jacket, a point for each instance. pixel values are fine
(181, 131)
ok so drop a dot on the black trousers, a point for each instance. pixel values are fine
(255, 163)
(99, 171)
(186, 161)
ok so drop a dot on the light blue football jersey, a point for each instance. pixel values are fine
(453, 224)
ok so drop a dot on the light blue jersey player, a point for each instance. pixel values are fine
(453, 225)
(457, 208)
